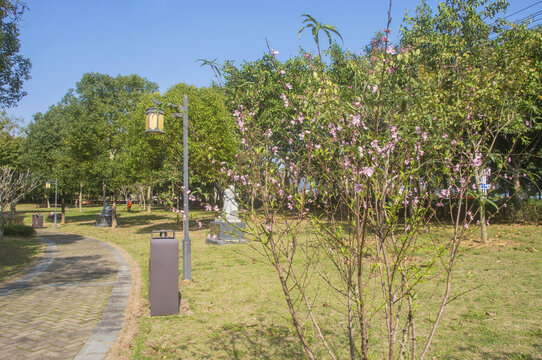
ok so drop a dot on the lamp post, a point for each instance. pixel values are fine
(48, 186)
(155, 125)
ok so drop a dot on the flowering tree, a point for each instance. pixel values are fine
(350, 176)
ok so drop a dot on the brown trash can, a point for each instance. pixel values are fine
(164, 273)
(37, 221)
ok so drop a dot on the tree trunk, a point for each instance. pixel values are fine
(114, 212)
(81, 196)
(517, 193)
(103, 198)
(173, 194)
(63, 211)
(149, 193)
(483, 224)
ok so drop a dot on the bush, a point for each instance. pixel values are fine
(530, 212)
(18, 230)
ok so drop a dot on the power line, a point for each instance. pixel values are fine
(517, 12)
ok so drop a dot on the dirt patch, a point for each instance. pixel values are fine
(135, 310)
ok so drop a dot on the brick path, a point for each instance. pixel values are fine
(70, 305)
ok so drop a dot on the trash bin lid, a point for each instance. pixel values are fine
(163, 234)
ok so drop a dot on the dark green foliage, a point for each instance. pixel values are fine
(18, 230)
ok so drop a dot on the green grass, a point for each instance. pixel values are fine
(237, 310)
(16, 253)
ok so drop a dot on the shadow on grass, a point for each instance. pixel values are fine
(172, 225)
(461, 350)
(238, 341)
(256, 342)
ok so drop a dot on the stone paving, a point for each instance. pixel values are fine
(70, 305)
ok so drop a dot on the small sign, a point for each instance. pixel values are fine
(485, 186)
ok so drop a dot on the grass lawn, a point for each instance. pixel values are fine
(234, 309)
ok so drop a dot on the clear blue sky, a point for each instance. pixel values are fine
(161, 39)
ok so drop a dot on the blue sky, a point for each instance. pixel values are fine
(160, 40)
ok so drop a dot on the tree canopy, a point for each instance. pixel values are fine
(14, 67)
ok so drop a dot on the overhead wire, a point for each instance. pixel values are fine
(533, 17)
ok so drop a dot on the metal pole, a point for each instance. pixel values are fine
(56, 192)
(187, 252)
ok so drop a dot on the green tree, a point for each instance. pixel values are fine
(81, 139)
(211, 134)
(14, 68)
(10, 140)
(480, 82)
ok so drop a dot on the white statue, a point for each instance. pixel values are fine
(230, 211)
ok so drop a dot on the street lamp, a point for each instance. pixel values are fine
(154, 120)
(48, 186)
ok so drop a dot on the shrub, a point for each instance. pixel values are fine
(18, 230)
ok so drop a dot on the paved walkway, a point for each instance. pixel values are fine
(69, 306)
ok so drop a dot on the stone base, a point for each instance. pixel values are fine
(104, 221)
(224, 233)
(51, 216)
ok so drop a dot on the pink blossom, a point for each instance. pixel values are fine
(285, 99)
(355, 120)
(289, 86)
(283, 72)
(477, 161)
(369, 171)
(390, 50)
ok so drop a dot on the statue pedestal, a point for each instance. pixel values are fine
(104, 220)
(223, 233)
